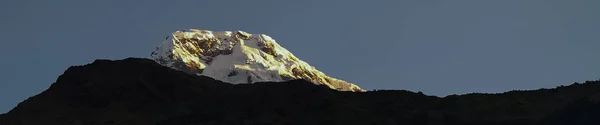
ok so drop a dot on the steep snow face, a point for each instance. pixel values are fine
(238, 57)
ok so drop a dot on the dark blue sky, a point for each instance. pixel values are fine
(439, 47)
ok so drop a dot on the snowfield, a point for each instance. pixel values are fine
(238, 57)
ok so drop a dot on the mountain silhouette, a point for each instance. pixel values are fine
(138, 91)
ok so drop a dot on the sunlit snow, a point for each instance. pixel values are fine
(238, 57)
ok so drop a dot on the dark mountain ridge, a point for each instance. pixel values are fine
(139, 91)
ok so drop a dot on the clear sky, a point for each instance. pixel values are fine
(439, 47)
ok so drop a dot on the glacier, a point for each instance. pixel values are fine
(238, 57)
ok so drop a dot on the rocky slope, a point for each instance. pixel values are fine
(239, 57)
(142, 92)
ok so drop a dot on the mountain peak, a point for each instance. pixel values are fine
(239, 57)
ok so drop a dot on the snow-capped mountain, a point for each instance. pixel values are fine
(238, 57)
